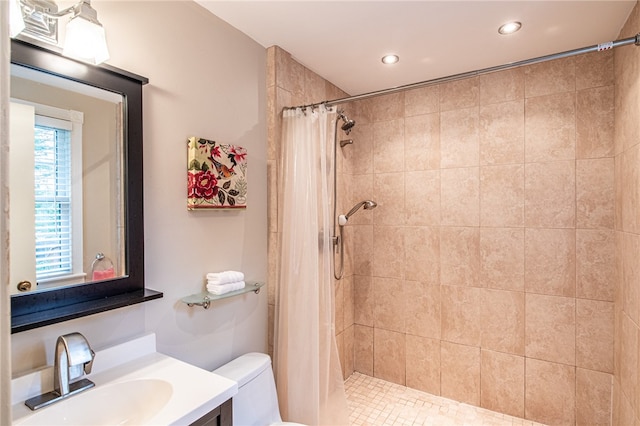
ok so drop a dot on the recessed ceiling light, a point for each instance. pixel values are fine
(390, 59)
(509, 27)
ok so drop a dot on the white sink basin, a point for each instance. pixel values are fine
(141, 387)
(131, 402)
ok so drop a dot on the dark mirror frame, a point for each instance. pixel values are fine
(45, 307)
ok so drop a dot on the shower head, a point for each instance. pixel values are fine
(347, 123)
(366, 204)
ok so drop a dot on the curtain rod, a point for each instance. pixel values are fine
(596, 48)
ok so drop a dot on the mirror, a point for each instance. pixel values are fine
(67, 213)
(123, 237)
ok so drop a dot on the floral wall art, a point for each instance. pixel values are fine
(217, 175)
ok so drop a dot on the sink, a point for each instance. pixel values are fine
(132, 402)
(134, 385)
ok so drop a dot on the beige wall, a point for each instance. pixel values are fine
(626, 401)
(486, 272)
(205, 79)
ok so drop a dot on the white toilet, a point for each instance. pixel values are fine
(256, 403)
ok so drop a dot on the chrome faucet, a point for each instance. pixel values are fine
(73, 358)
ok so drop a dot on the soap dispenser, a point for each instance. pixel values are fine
(102, 268)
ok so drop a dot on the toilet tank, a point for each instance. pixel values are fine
(256, 403)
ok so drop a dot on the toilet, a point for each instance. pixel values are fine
(256, 403)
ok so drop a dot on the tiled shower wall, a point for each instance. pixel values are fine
(486, 273)
(291, 84)
(626, 403)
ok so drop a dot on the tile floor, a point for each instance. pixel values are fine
(377, 402)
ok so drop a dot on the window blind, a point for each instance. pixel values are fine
(54, 251)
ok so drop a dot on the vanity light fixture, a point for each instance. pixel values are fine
(390, 59)
(85, 39)
(510, 27)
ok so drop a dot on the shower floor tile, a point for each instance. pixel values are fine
(377, 402)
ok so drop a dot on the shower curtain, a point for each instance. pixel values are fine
(307, 368)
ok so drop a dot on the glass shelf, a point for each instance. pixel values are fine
(205, 298)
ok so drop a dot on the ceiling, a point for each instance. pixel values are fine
(344, 41)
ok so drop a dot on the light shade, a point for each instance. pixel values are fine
(85, 40)
(16, 23)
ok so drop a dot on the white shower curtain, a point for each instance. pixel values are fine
(307, 367)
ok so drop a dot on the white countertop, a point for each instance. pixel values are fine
(176, 392)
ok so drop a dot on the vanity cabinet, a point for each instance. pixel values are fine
(222, 415)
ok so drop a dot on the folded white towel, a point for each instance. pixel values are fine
(225, 288)
(225, 277)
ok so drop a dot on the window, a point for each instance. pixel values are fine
(58, 195)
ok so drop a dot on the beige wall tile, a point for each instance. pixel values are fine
(550, 77)
(388, 146)
(422, 142)
(502, 383)
(502, 258)
(550, 128)
(289, 74)
(595, 193)
(630, 276)
(550, 393)
(341, 352)
(550, 261)
(550, 199)
(388, 304)
(363, 111)
(460, 372)
(501, 133)
(389, 356)
(502, 86)
(595, 264)
(460, 315)
(363, 249)
(459, 139)
(594, 70)
(348, 364)
(629, 195)
(550, 328)
(359, 155)
(502, 195)
(594, 335)
(388, 252)
(363, 349)
(347, 283)
(460, 256)
(629, 359)
(315, 88)
(363, 300)
(593, 397)
(387, 107)
(422, 309)
(460, 94)
(423, 364)
(594, 122)
(460, 196)
(502, 319)
(338, 308)
(422, 254)
(388, 190)
(422, 197)
(424, 100)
